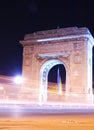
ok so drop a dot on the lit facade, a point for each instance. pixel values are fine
(42, 50)
(70, 47)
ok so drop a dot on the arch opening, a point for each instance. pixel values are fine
(56, 78)
(45, 71)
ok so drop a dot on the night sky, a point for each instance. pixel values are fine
(20, 17)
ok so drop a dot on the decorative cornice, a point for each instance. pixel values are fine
(58, 35)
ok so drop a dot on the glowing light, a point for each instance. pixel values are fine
(18, 79)
(1, 88)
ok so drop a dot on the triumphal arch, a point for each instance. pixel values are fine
(70, 47)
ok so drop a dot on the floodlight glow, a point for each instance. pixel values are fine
(1, 88)
(18, 79)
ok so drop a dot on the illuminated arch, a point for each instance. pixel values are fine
(45, 49)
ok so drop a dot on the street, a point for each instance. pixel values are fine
(16, 118)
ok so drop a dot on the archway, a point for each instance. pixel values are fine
(44, 49)
(56, 78)
(44, 71)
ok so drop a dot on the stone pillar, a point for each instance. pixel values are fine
(81, 71)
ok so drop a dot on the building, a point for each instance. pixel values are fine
(70, 47)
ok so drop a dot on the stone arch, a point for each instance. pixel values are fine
(45, 68)
(44, 49)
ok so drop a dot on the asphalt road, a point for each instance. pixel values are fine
(27, 111)
(44, 110)
(26, 118)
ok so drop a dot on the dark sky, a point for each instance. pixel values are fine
(19, 17)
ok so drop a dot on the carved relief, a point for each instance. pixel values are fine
(25, 51)
(26, 61)
(28, 50)
(31, 49)
(77, 58)
(77, 46)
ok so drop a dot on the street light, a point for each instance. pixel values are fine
(1, 88)
(18, 80)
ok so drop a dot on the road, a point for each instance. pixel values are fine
(19, 118)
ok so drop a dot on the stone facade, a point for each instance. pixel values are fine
(71, 47)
